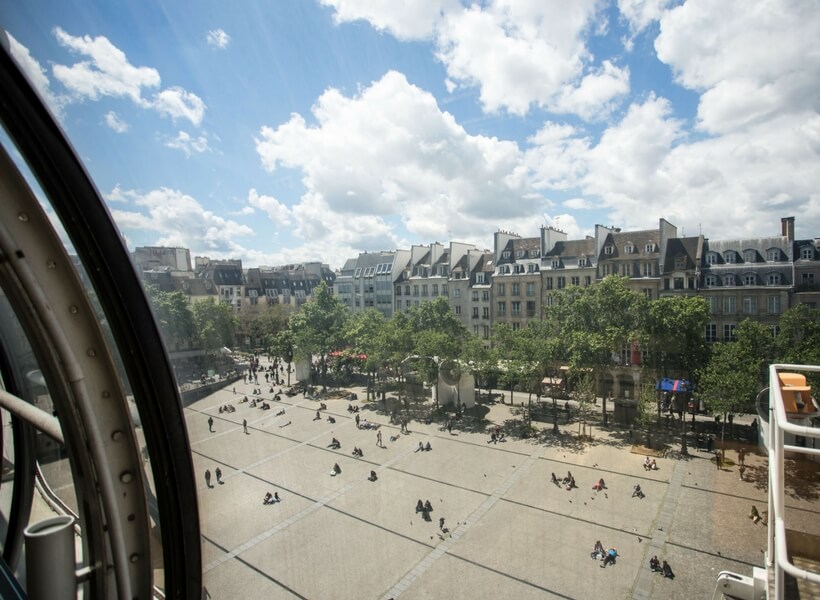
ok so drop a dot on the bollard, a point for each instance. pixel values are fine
(50, 559)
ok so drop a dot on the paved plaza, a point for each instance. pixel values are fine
(509, 532)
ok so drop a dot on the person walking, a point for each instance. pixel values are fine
(208, 477)
(218, 473)
(741, 456)
(357, 420)
(719, 459)
(245, 425)
(379, 439)
(211, 424)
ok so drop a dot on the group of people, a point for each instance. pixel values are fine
(425, 508)
(358, 452)
(607, 557)
(227, 408)
(217, 472)
(424, 447)
(496, 435)
(271, 498)
(650, 465)
(657, 567)
(568, 482)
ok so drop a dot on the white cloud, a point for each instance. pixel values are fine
(114, 121)
(218, 38)
(36, 75)
(180, 220)
(640, 13)
(519, 53)
(188, 144)
(750, 61)
(106, 72)
(276, 211)
(578, 204)
(390, 151)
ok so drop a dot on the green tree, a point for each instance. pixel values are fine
(281, 345)
(174, 316)
(319, 327)
(675, 334)
(259, 325)
(215, 323)
(799, 339)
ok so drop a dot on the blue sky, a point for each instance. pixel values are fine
(286, 131)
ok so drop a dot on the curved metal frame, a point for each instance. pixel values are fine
(80, 373)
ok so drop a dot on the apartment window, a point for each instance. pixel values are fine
(424, 290)
(456, 293)
(505, 254)
(415, 290)
(773, 305)
(750, 279)
(549, 283)
(443, 289)
(549, 300)
(650, 247)
(680, 263)
(648, 293)
(582, 262)
(475, 329)
(609, 249)
(730, 257)
(562, 283)
(535, 253)
(729, 332)
(398, 290)
(479, 277)
(629, 249)
(502, 289)
(519, 254)
(775, 329)
(530, 288)
(773, 279)
(749, 305)
(435, 289)
(532, 268)
(486, 331)
(358, 272)
(711, 332)
(712, 258)
(729, 280)
(729, 305)
(773, 254)
(587, 281)
(485, 312)
(485, 295)
(711, 301)
(647, 269)
(475, 295)
(807, 278)
(556, 264)
(807, 253)
(457, 309)
(515, 309)
(678, 283)
(407, 290)
(575, 280)
(516, 326)
(475, 312)
(502, 309)
(749, 256)
(516, 289)
(530, 308)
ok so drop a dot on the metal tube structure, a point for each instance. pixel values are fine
(50, 559)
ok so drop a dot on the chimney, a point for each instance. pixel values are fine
(787, 228)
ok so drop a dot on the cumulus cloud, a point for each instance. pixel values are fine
(391, 151)
(36, 75)
(520, 54)
(276, 211)
(106, 72)
(180, 220)
(640, 13)
(188, 144)
(114, 121)
(749, 62)
(218, 38)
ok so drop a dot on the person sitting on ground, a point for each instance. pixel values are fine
(270, 390)
(276, 497)
(653, 465)
(637, 491)
(336, 470)
(754, 515)
(420, 448)
(427, 506)
(318, 417)
(647, 464)
(220, 409)
(667, 570)
(335, 444)
(598, 550)
(492, 438)
(599, 485)
(500, 437)
(571, 483)
(265, 406)
(373, 476)
(654, 564)
(568, 478)
(322, 406)
(428, 447)
(330, 419)
(554, 479)
(245, 399)
(609, 558)
(268, 498)
(419, 506)
(253, 403)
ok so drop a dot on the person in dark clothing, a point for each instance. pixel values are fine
(667, 571)
(654, 564)
(609, 558)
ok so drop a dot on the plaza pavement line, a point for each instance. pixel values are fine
(300, 515)
(425, 563)
(642, 588)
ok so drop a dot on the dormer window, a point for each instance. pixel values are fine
(609, 249)
(730, 257)
(535, 253)
(807, 253)
(773, 279)
(479, 277)
(710, 281)
(650, 247)
(729, 280)
(750, 279)
(556, 264)
(712, 258)
(505, 254)
(358, 272)
(773, 254)
(680, 263)
(582, 262)
(519, 254)
(532, 268)
(629, 248)
(749, 256)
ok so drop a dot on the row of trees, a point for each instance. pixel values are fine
(582, 328)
